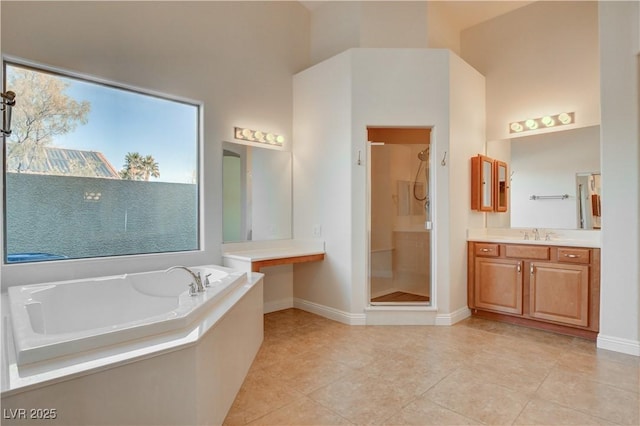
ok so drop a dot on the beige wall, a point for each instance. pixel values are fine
(338, 26)
(238, 58)
(538, 60)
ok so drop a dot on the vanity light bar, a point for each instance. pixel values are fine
(542, 123)
(250, 135)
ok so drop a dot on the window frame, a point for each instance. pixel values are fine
(8, 60)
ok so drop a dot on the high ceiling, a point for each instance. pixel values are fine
(462, 14)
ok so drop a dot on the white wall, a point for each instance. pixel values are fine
(467, 127)
(334, 102)
(538, 60)
(547, 165)
(338, 26)
(322, 157)
(620, 287)
(238, 58)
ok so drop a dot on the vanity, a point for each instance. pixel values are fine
(549, 284)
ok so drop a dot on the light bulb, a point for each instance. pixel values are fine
(516, 127)
(247, 134)
(270, 137)
(564, 118)
(531, 124)
(280, 139)
(258, 135)
(548, 121)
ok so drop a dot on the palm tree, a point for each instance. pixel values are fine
(132, 169)
(137, 167)
(149, 167)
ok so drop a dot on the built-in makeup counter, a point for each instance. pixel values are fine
(275, 259)
(545, 237)
(254, 255)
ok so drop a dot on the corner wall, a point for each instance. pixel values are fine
(620, 289)
(334, 102)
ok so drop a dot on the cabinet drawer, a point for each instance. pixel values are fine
(487, 249)
(574, 255)
(527, 252)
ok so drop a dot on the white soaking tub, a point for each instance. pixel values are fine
(62, 318)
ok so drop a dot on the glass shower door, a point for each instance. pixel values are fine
(400, 243)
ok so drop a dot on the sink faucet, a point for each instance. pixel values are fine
(536, 234)
(199, 288)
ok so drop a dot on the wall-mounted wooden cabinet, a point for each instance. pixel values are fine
(489, 184)
(549, 287)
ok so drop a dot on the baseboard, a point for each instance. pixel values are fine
(277, 305)
(401, 315)
(329, 312)
(453, 317)
(617, 344)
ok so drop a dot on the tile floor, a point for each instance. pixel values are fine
(313, 371)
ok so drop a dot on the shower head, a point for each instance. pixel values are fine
(423, 155)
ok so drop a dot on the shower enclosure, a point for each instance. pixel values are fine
(400, 222)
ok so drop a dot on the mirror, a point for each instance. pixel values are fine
(547, 166)
(588, 197)
(256, 188)
(500, 179)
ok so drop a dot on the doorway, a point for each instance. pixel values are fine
(399, 216)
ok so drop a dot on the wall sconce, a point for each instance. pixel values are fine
(8, 101)
(542, 122)
(244, 134)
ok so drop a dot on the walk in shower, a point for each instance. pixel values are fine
(400, 222)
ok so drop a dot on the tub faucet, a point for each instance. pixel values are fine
(536, 234)
(195, 276)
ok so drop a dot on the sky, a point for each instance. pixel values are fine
(121, 121)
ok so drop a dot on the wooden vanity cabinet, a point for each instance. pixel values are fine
(548, 287)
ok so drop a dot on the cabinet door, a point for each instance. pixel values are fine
(501, 190)
(482, 183)
(559, 293)
(498, 285)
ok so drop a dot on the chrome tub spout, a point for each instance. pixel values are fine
(199, 288)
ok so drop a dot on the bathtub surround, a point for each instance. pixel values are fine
(56, 319)
(186, 375)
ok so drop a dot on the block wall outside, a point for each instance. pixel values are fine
(51, 214)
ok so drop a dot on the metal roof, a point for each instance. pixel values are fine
(64, 162)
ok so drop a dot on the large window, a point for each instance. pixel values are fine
(93, 169)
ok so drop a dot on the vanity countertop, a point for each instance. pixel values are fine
(557, 237)
(254, 251)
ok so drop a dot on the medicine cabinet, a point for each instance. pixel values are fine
(489, 184)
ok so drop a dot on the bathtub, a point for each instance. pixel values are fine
(56, 319)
